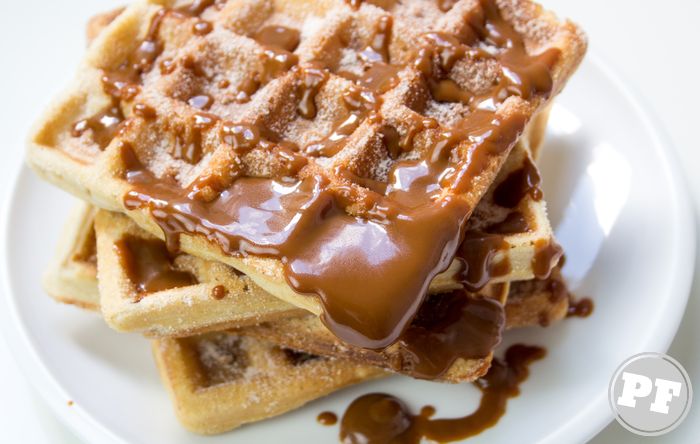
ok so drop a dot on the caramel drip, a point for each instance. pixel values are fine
(194, 8)
(580, 309)
(103, 125)
(547, 255)
(280, 37)
(327, 418)
(246, 89)
(518, 184)
(394, 237)
(144, 111)
(219, 292)
(189, 141)
(149, 266)
(476, 253)
(449, 327)
(202, 27)
(378, 418)
(359, 104)
(521, 74)
(378, 49)
(354, 4)
(278, 43)
(123, 82)
(311, 81)
(446, 5)
(514, 223)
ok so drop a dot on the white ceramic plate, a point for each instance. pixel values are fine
(620, 211)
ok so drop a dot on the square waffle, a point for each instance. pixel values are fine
(71, 276)
(302, 332)
(145, 289)
(219, 381)
(528, 302)
(185, 55)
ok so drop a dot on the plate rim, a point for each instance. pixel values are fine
(87, 428)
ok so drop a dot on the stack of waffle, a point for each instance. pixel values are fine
(291, 196)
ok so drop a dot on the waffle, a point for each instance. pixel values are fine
(212, 54)
(188, 295)
(535, 302)
(529, 302)
(220, 381)
(71, 276)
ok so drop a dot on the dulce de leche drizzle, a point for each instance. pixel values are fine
(394, 237)
(525, 180)
(149, 265)
(448, 327)
(379, 418)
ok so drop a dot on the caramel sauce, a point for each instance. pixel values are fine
(189, 143)
(580, 309)
(202, 27)
(521, 74)
(446, 5)
(354, 4)
(379, 418)
(144, 111)
(359, 104)
(149, 266)
(280, 37)
(278, 42)
(219, 292)
(327, 418)
(396, 236)
(514, 223)
(448, 327)
(476, 253)
(201, 101)
(246, 89)
(547, 255)
(518, 184)
(103, 125)
(312, 80)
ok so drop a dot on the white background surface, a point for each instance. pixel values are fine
(652, 45)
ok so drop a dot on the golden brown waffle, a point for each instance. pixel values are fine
(537, 302)
(308, 333)
(220, 381)
(212, 296)
(528, 302)
(71, 275)
(227, 56)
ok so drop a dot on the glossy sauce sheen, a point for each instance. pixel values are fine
(515, 222)
(581, 308)
(149, 266)
(414, 222)
(523, 181)
(327, 418)
(379, 418)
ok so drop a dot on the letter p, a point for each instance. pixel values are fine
(635, 386)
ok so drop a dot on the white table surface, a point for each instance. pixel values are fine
(652, 45)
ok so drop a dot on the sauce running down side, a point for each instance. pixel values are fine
(379, 418)
(319, 228)
(149, 265)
